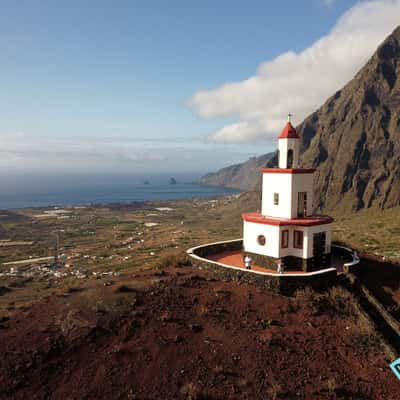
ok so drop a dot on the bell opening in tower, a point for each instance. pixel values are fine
(289, 161)
(302, 204)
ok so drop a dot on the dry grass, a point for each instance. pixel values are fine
(336, 301)
(104, 239)
(339, 303)
(373, 230)
(177, 260)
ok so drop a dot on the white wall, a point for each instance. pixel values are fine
(277, 183)
(272, 247)
(284, 145)
(302, 183)
(288, 186)
(273, 234)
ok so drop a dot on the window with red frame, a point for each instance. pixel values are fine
(298, 239)
(285, 239)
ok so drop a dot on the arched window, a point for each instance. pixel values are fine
(289, 161)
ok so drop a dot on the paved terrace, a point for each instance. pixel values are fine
(235, 258)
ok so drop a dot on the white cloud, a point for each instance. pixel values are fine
(26, 153)
(298, 82)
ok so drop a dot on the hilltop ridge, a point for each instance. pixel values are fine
(238, 176)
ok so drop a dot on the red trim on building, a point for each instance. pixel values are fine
(306, 221)
(288, 132)
(287, 170)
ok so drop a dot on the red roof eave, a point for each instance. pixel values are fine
(288, 170)
(306, 221)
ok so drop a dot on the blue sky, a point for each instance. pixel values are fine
(129, 85)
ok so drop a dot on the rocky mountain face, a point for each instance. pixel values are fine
(353, 140)
(238, 176)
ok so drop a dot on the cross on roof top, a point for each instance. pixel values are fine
(289, 117)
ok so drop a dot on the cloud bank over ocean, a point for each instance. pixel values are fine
(22, 152)
(298, 82)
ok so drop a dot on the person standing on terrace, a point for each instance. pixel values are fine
(247, 261)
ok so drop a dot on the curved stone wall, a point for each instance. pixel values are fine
(350, 257)
(282, 283)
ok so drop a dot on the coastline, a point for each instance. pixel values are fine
(139, 196)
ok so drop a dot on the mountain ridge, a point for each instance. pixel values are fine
(237, 176)
(353, 139)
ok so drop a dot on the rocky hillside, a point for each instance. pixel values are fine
(238, 176)
(354, 139)
(178, 333)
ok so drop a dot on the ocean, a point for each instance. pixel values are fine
(23, 192)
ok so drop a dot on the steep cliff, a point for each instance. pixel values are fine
(354, 139)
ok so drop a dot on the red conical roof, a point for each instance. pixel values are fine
(289, 132)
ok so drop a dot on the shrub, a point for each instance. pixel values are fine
(336, 301)
(177, 260)
(342, 302)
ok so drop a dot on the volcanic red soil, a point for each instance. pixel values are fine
(179, 333)
(383, 279)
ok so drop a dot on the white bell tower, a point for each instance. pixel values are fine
(286, 227)
(289, 146)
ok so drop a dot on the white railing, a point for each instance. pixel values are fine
(191, 253)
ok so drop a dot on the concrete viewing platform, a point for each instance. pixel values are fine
(235, 258)
(227, 255)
